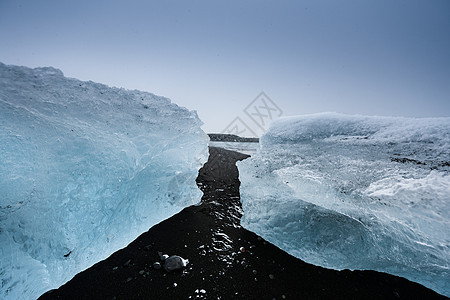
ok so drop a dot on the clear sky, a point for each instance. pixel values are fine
(380, 57)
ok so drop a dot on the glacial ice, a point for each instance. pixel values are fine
(85, 169)
(355, 192)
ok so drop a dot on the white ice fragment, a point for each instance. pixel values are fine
(162, 256)
(200, 291)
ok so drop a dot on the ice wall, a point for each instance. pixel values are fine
(84, 169)
(355, 192)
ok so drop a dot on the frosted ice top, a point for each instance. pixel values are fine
(355, 192)
(85, 169)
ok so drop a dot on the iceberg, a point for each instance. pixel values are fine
(85, 169)
(355, 192)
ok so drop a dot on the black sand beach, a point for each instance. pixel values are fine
(225, 260)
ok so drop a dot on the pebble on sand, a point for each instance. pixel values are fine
(175, 262)
(156, 265)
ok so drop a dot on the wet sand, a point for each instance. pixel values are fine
(226, 261)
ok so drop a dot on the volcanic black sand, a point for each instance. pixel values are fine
(226, 261)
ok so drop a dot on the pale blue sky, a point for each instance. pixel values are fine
(380, 57)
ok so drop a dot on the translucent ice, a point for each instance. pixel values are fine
(84, 169)
(355, 192)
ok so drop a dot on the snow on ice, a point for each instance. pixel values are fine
(85, 169)
(355, 192)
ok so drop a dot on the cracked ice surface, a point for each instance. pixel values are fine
(355, 192)
(85, 169)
